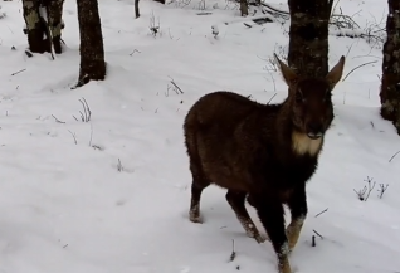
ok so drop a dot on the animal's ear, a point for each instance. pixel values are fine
(288, 74)
(334, 76)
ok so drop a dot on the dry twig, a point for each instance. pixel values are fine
(364, 193)
(57, 120)
(86, 115)
(357, 67)
(73, 135)
(322, 212)
(233, 253)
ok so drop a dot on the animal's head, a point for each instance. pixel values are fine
(311, 99)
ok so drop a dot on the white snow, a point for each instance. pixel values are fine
(66, 208)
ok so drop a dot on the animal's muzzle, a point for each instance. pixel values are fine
(315, 130)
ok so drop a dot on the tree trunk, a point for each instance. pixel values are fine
(244, 7)
(390, 83)
(92, 66)
(137, 12)
(37, 28)
(55, 11)
(308, 36)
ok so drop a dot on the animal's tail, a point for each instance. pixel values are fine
(191, 128)
(190, 132)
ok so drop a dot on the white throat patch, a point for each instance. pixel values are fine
(302, 144)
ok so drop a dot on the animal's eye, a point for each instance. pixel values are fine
(299, 97)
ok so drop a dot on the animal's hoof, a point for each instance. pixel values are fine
(260, 239)
(285, 269)
(283, 263)
(196, 219)
(256, 236)
(253, 232)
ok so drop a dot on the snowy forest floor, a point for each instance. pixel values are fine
(117, 200)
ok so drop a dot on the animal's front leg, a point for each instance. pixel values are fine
(298, 206)
(271, 213)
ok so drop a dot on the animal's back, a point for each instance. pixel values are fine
(212, 140)
(220, 108)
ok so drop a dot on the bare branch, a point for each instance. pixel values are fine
(19, 71)
(313, 241)
(73, 135)
(91, 134)
(57, 120)
(365, 192)
(273, 96)
(233, 253)
(176, 88)
(86, 115)
(322, 212)
(316, 233)
(393, 156)
(357, 67)
(119, 166)
(382, 190)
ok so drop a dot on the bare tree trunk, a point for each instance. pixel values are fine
(137, 12)
(92, 65)
(308, 36)
(390, 84)
(55, 12)
(37, 28)
(244, 7)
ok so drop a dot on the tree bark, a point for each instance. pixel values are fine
(244, 7)
(92, 65)
(137, 12)
(37, 28)
(308, 36)
(55, 12)
(390, 81)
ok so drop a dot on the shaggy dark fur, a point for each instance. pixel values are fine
(268, 152)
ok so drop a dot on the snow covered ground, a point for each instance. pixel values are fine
(67, 208)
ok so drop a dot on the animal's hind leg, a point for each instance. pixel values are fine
(199, 183)
(236, 200)
(194, 213)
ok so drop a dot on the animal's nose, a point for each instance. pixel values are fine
(314, 128)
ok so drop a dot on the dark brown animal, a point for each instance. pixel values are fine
(266, 151)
